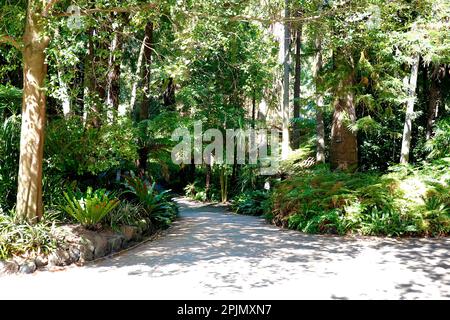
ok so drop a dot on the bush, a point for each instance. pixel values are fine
(250, 203)
(18, 239)
(126, 213)
(406, 201)
(91, 207)
(9, 160)
(157, 205)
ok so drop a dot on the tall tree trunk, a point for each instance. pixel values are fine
(137, 78)
(320, 126)
(407, 130)
(169, 96)
(208, 179)
(114, 73)
(344, 145)
(435, 97)
(297, 85)
(144, 110)
(148, 47)
(29, 194)
(285, 147)
(253, 108)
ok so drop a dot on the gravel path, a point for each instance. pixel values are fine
(212, 254)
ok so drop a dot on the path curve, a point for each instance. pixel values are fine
(209, 254)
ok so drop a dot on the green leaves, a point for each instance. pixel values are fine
(91, 207)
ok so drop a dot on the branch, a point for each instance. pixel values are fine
(86, 12)
(11, 41)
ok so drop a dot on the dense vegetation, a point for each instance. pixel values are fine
(359, 91)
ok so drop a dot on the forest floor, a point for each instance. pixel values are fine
(210, 253)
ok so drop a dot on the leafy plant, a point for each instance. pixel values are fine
(250, 203)
(126, 213)
(158, 206)
(18, 239)
(91, 207)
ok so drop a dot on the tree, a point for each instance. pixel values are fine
(285, 147)
(407, 130)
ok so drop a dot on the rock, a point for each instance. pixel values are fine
(74, 253)
(59, 258)
(129, 232)
(27, 267)
(115, 243)
(87, 248)
(101, 246)
(8, 267)
(41, 261)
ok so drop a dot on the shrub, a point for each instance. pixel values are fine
(250, 203)
(18, 239)
(91, 207)
(126, 213)
(157, 205)
(406, 201)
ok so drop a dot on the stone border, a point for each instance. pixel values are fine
(80, 246)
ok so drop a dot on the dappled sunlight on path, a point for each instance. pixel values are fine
(210, 253)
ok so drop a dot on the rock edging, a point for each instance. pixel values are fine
(80, 246)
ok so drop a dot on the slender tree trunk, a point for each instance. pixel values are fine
(297, 85)
(29, 194)
(169, 96)
(64, 92)
(285, 147)
(137, 78)
(407, 130)
(148, 43)
(253, 108)
(320, 126)
(144, 110)
(208, 179)
(344, 144)
(435, 98)
(113, 96)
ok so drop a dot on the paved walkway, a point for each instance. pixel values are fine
(210, 254)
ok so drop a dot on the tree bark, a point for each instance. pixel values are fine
(29, 194)
(344, 145)
(114, 73)
(435, 98)
(137, 79)
(148, 47)
(285, 147)
(169, 96)
(407, 130)
(320, 126)
(144, 110)
(297, 86)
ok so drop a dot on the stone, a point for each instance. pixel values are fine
(74, 253)
(87, 248)
(101, 246)
(8, 267)
(115, 243)
(59, 258)
(27, 267)
(41, 261)
(129, 232)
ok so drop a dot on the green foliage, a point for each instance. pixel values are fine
(126, 213)
(73, 148)
(157, 205)
(250, 203)
(9, 160)
(91, 207)
(18, 239)
(403, 202)
(439, 145)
